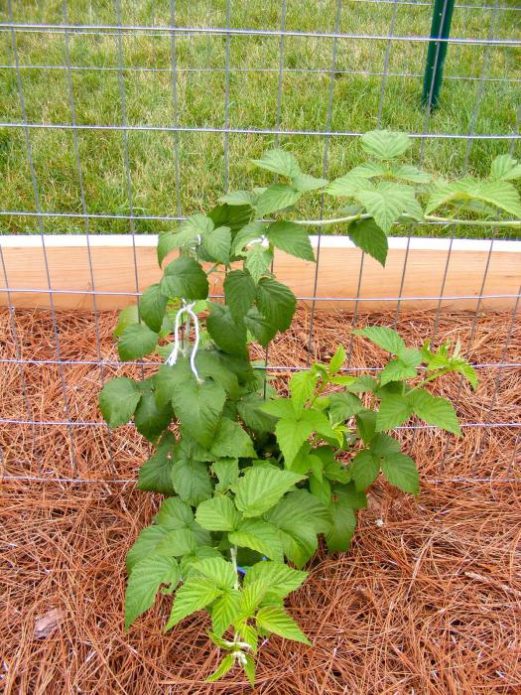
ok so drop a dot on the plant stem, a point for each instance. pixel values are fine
(427, 219)
(233, 556)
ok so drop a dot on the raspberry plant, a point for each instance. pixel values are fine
(252, 480)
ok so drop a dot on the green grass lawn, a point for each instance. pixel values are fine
(359, 102)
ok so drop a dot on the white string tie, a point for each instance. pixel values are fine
(173, 356)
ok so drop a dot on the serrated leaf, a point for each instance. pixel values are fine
(194, 595)
(151, 420)
(225, 611)
(191, 481)
(400, 470)
(279, 407)
(305, 182)
(239, 292)
(291, 238)
(280, 579)
(277, 302)
(174, 514)
(218, 514)
(261, 328)
(227, 472)
(155, 475)
(145, 544)
(118, 400)
(136, 341)
(501, 194)
(222, 669)
(260, 536)
(505, 168)
(399, 369)
(301, 387)
(407, 172)
(253, 417)
(384, 337)
(144, 582)
(337, 361)
(185, 278)
(364, 469)
(279, 162)
(279, 196)
(217, 244)
(249, 669)
(343, 522)
(343, 406)
(231, 441)
(387, 202)
(384, 144)
(219, 570)
(228, 334)
(254, 231)
(368, 170)
(127, 316)
(152, 305)
(199, 407)
(368, 236)
(382, 445)
(434, 410)
(299, 509)
(292, 432)
(261, 488)
(346, 186)
(275, 619)
(258, 261)
(394, 411)
(238, 198)
(366, 424)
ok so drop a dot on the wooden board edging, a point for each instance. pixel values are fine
(101, 269)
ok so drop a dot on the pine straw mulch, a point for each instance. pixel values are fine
(428, 601)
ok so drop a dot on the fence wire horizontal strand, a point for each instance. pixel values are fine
(231, 31)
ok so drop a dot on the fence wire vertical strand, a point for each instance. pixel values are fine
(175, 108)
(481, 88)
(387, 58)
(227, 73)
(37, 202)
(86, 222)
(325, 170)
(278, 122)
(506, 346)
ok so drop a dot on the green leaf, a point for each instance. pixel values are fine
(254, 231)
(238, 198)
(383, 445)
(279, 407)
(434, 410)
(340, 533)
(337, 361)
(231, 441)
(144, 582)
(291, 238)
(400, 470)
(118, 400)
(217, 514)
(194, 595)
(368, 236)
(343, 406)
(199, 407)
(505, 168)
(219, 570)
(249, 669)
(260, 488)
(275, 619)
(260, 536)
(225, 611)
(369, 170)
(180, 541)
(222, 669)
(305, 182)
(174, 514)
(346, 186)
(366, 424)
(150, 419)
(145, 544)
(364, 469)
(394, 411)
(279, 162)
(384, 337)
(502, 194)
(297, 510)
(152, 305)
(233, 216)
(262, 330)
(277, 302)
(258, 261)
(155, 475)
(188, 234)
(191, 481)
(292, 432)
(403, 367)
(387, 202)
(227, 471)
(136, 341)
(127, 316)
(280, 579)
(253, 417)
(217, 244)
(279, 196)
(301, 387)
(412, 174)
(384, 144)
(229, 335)
(239, 292)
(185, 278)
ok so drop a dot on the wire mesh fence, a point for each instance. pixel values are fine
(127, 116)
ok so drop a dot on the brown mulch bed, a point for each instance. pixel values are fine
(428, 601)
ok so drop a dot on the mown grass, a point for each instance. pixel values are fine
(360, 101)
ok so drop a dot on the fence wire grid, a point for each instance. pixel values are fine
(128, 116)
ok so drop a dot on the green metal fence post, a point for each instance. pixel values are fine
(440, 29)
